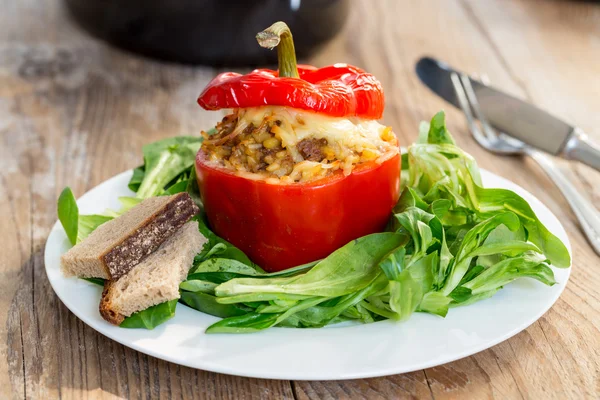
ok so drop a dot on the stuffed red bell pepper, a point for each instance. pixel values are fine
(301, 166)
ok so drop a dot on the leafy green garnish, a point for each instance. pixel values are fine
(151, 317)
(492, 201)
(449, 242)
(438, 133)
(77, 227)
(346, 270)
(217, 247)
(208, 304)
(136, 178)
(440, 170)
(89, 223)
(68, 214)
(510, 269)
(164, 161)
(95, 281)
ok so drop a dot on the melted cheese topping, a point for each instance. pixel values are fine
(286, 145)
(350, 133)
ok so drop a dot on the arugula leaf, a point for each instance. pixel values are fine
(249, 322)
(68, 214)
(435, 303)
(253, 321)
(224, 265)
(440, 170)
(423, 134)
(178, 187)
(198, 285)
(508, 270)
(409, 198)
(465, 298)
(471, 274)
(461, 295)
(151, 317)
(394, 263)
(192, 187)
(346, 270)
(330, 311)
(471, 242)
(95, 281)
(165, 160)
(415, 222)
(207, 303)
(257, 297)
(323, 314)
(427, 234)
(492, 201)
(224, 249)
(404, 162)
(136, 178)
(215, 276)
(405, 295)
(438, 133)
(77, 227)
(88, 223)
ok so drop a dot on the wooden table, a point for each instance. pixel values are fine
(74, 111)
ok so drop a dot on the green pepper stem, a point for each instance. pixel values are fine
(279, 35)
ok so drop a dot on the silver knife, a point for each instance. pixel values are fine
(515, 117)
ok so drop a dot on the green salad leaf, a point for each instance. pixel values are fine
(136, 178)
(164, 161)
(95, 281)
(472, 241)
(77, 227)
(168, 169)
(151, 317)
(492, 201)
(89, 223)
(207, 303)
(346, 270)
(406, 294)
(440, 170)
(68, 214)
(437, 132)
(508, 270)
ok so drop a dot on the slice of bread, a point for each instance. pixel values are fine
(154, 280)
(116, 246)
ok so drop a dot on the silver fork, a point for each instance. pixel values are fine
(584, 210)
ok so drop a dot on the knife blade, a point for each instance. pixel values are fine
(513, 116)
(506, 113)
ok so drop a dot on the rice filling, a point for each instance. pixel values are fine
(293, 145)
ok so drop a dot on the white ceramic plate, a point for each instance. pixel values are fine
(336, 352)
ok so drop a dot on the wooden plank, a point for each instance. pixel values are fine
(411, 385)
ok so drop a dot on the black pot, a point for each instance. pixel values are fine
(214, 32)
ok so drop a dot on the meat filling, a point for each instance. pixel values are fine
(312, 149)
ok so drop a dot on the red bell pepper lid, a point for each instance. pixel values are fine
(338, 90)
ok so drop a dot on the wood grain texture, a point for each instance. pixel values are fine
(74, 111)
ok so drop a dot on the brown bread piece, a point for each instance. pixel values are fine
(154, 280)
(116, 246)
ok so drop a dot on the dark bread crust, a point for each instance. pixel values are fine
(149, 236)
(106, 309)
